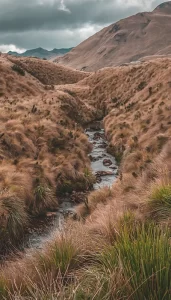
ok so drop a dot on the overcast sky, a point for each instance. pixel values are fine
(26, 24)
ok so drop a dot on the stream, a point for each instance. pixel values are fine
(104, 168)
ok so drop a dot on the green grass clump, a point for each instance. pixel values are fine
(44, 199)
(83, 182)
(14, 219)
(61, 256)
(159, 203)
(143, 253)
(3, 288)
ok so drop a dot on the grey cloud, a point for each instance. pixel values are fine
(21, 16)
(43, 23)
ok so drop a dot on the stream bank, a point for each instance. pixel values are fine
(104, 168)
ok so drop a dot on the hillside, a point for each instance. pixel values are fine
(42, 53)
(47, 72)
(118, 231)
(127, 40)
(41, 146)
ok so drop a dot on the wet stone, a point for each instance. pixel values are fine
(103, 145)
(107, 162)
(104, 173)
(98, 136)
(113, 167)
(51, 214)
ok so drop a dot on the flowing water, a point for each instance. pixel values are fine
(103, 164)
(104, 168)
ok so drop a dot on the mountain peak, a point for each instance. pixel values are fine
(42, 53)
(164, 7)
(126, 41)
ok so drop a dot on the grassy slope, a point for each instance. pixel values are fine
(102, 258)
(130, 39)
(47, 72)
(43, 152)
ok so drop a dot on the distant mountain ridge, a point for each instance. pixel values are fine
(42, 53)
(128, 40)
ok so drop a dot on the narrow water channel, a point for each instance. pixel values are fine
(104, 168)
(103, 164)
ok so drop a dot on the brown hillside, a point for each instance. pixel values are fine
(47, 72)
(12, 83)
(43, 151)
(127, 40)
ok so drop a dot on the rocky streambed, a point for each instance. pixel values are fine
(103, 164)
(104, 168)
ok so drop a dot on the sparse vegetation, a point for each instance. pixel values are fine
(18, 69)
(45, 71)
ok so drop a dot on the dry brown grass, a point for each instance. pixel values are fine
(43, 150)
(47, 72)
(44, 145)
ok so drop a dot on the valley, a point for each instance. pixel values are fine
(85, 167)
(103, 166)
(47, 157)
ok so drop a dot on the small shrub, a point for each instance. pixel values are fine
(150, 90)
(142, 85)
(18, 69)
(56, 143)
(159, 203)
(161, 141)
(65, 187)
(116, 152)
(34, 109)
(114, 100)
(135, 139)
(89, 176)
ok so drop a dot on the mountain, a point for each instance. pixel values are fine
(42, 53)
(130, 39)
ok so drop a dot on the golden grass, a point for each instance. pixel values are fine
(42, 147)
(46, 146)
(47, 72)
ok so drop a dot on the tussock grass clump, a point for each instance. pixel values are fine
(99, 196)
(14, 219)
(159, 202)
(60, 257)
(94, 199)
(136, 266)
(3, 288)
(145, 255)
(44, 199)
(82, 181)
